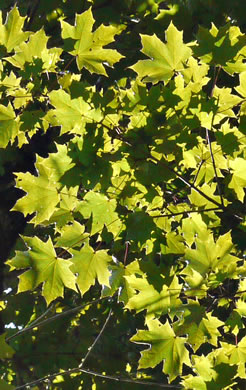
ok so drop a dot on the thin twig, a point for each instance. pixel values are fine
(185, 212)
(214, 166)
(216, 75)
(198, 170)
(127, 243)
(43, 315)
(93, 373)
(54, 318)
(96, 340)
(187, 182)
(215, 80)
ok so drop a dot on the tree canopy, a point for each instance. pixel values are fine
(123, 175)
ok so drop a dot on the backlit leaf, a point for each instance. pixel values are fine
(41, 196)
(45, 267)
(6, 352)
(165, 58)
(90, 265)
(11, 34)
(88, 47)
(102, 210)
(164, 345)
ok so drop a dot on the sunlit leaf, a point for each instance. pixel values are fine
(164, 345)
(45, 267)
(90, 265)
(88, 47)
(165, 58)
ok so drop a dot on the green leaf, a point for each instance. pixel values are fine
(119, 281)
(11, 34)
(45, 267)
(35, 52)
(238, 180)
(155, 302)
(221, 46)
(88, 47)
(165, 58)
(5, 386)
(55, 165)
(103, 212)
(238, 354)
(209, 255)
(164, 345)
(203, 258)
(241, 89)
(41, 196)
(90, 265)
(207, 331)
(8, 125)
(72, 235)
(70, 114)
(135, 222)
(6, 352)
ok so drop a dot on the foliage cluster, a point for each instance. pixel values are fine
(136, 209)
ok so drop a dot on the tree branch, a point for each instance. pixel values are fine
(96, 340)
(54, 318)
(185, 212)
(187, 182)
(93, 373)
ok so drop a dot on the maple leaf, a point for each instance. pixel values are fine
(102, 210)
(42, 191)
(238, 180)
(119, 281)
(206, 331)
(45, 267)
(155, 302)
(88, 47)
(223, 46)
(238, 352)
(89, 265)
(9, 125)
(6, 352)
(41, 197)
(209, 256)
(11, 34)
(33, 51)
(69, 113)
(164, 345)
(166, 58)
(72, 235)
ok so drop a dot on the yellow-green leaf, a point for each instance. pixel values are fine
(6, 352)
(45, 267)
(88, 47)
(90, 265)
(164, 346)
(165, 58)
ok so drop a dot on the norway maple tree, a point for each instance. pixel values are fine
(130, 266)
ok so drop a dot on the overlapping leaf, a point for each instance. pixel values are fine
(90, 265)
(11, 33)
(44, 267)
(88, 47)
(103, 212)
(164, 345)
(35, 52)
(165, 58)
(9, 125)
